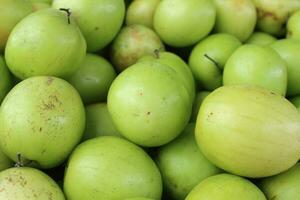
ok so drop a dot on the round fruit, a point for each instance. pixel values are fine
(293, 26)
(241, 125)
(6, 81)
(109, 167)
(44, 43)
(183, 23)
(42, 119)
(261, 38)
(200, 96)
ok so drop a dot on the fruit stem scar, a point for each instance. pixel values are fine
(67, 10)
(212, 60)
(19, 162)
(156, 53)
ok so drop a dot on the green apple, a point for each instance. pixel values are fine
(99, 20)
(109, 167)
(249, 131)
(93, 79)
(293, 26)
(296, 101)
(260, 38)
(256, 65)
(45, 43)
(99, 122)
(226, 187)
(149, 104)
(208, 58)
(141, 12)
(132, 43)
(237, 18)
(200, 96)
(6, 81)
(183, 165)
(284, 186)
(183, 23)
(41, 119)
(5, 162)
(24, 183)
(11, 12)
(289, 50)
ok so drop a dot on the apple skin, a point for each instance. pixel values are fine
(237, 129)
(226, 187)
(261, 38)
(44, 43)
(293, 26)
(11, 12)
(295, 101)
(141, 12)
(99, 20)
(141, 102)
(256, 65)
(6, 81)
(24, 183)
(5, 162)
(217, 47)
(284, 186)
(235, 17)
(200, 96)
(138, 198)
(183, 165)
(93, 79)
(42, 119)
(183, 23)
(109, 167)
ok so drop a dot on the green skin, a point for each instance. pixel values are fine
(293, 26)
(42, 119)
(5, 162)
(6, 81)
(182, 164)
(296, 102)
(256, 65)
(141, 102)
(132, 43)
(93, 79)
(285, 186)
(235, 17)
(200, 96)
(183, 23)
(99, 122)
(139, 198)
(226, 187)
(272, 15)
(261, 38)
(237, 129)
(109, 167)
(11, 12)
(289, 49)
(38, 6)
(25, 183)
(45, 44)
(99, 20)
(141, 12)
(218, 47)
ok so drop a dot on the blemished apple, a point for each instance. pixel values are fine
(238, 130)
(25, 183)
(182, 164)
(256, 65)
(110, 167)
(149, 104)
(293, 26)
(93, 79)
(237, 18)
(200, 96)
(260, 38)
(6, 81)
(46, 42)
(132, 43)
(99, 20)
(41, 119)
(184, 23)
(209, 56)
(226, 187)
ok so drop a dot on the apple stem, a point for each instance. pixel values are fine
(156, 53)
(212, 60)
(67, 10)
(19, 161)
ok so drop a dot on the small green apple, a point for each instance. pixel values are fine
(200, 96)
(6, 81)
(293, 26)
(260, 38)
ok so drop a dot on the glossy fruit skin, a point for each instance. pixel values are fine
(141, 102)
(183, 165)
(208, 58)
(200, 96)
(261, 38)
(24, 183)
(141, 12)
(93, 79)
(44, 43)
(293, 26)
(183, 23)
(284, 186)
(99, 20)
(256, 65)
(238, 126)
(235, 17)
(42, 118)
(132, 43)
(226, 187)
(109, 167)
(6, 81)
(11, 12)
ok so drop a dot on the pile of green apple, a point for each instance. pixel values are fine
(149, 99)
